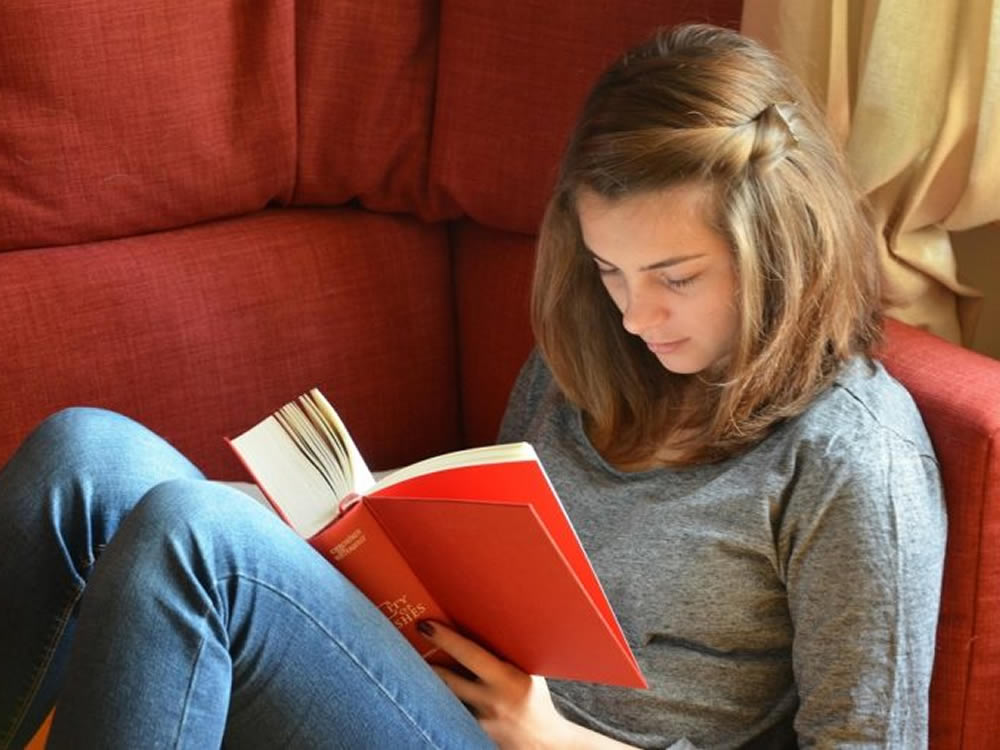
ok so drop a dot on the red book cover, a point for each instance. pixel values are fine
(494, 546)
(358, 547)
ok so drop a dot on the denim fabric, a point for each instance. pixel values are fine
(204, 621)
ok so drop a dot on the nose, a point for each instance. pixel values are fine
(643, 311)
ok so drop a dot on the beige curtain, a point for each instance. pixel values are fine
(912, 90)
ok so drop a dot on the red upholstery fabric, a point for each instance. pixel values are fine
(200, 332)
(512, 78)
(493, 283)
(121, 118)
(368, 70)
(958, 393)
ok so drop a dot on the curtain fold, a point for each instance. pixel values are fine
(912, 91)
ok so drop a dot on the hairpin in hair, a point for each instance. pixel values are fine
(785, 112)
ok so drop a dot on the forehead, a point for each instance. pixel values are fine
(665, 222)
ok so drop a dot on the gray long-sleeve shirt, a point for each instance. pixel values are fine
(789, 592)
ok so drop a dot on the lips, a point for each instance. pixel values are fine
(665, 347)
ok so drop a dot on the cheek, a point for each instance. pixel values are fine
(728, 313)
(721, 310)
(729, 318)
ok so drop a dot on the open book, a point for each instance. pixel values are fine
(477, 539)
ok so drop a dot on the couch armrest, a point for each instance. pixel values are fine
(958, 394)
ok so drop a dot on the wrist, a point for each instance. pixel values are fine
(573, 736)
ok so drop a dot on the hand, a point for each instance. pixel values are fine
(514, 709)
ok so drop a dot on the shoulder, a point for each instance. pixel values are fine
(534, 375)
(533, 383)
(856, 483)
(859, 455)
(865, 407)
(533, 386)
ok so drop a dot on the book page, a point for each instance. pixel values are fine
(329, 447)
(290, 481)
(303, 434)
(305, 462)
(487, 454)
(330, 431)
(361, 476)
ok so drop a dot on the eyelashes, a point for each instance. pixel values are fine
(681, 283)
(668, 281)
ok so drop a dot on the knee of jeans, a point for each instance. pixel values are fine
(195, 506)
(71, 430)
(74, 422)
(93, 439)
(69, 437)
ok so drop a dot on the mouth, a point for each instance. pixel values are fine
(665, 347)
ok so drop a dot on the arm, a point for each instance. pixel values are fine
(862, 543)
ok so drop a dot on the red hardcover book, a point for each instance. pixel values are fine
(476, 538)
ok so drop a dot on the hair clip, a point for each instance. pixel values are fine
(785, 112)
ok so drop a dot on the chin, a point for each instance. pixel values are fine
(692, 365)
(681, 367)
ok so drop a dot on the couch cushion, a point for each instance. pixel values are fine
(203, 331)
(958, 394)
(366, 88)
(511, 80)
(121, 118)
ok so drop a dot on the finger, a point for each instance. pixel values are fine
(485, 665)
(470, 692)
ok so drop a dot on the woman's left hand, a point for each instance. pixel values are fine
(515, 709)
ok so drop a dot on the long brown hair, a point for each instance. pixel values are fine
(704, 104)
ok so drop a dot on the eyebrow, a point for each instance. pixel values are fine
(677, 259)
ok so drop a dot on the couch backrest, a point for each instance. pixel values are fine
(123, 118)
(366, 75)
(128, 132)
(511, 81)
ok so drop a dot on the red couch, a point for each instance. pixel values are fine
(206, 208)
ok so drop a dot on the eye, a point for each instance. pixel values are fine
(604, 270)
(682, 283)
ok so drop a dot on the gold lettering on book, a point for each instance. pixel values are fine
(350, 543)
(402, 612)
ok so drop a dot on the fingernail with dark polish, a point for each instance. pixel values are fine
(425, 627)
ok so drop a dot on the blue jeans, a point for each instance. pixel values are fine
(196, 617)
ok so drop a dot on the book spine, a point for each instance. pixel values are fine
(357, 545)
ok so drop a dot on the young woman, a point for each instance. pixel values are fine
(759, 498)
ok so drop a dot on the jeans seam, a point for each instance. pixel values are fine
(343, 648)
(190, 687)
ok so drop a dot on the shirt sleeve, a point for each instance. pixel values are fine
(861, 541)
